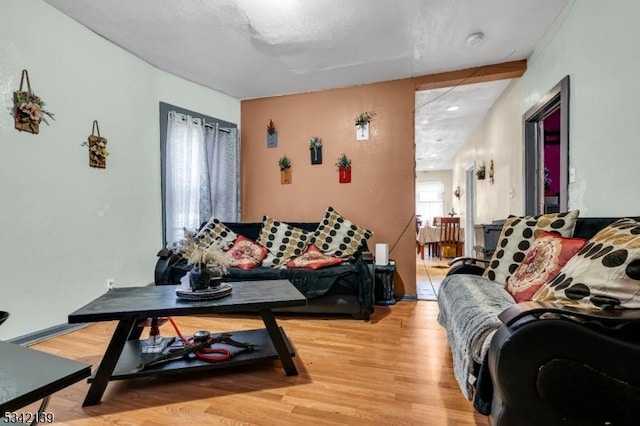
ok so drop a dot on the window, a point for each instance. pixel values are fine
(200, 171)
(429, 201)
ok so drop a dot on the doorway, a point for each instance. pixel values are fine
(546, 152)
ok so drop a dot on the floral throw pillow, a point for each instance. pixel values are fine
(216, 232)
(313, 258)
(282, 241)
(605, 273)
(245, 254)
(517, 236)
(338, 236)
(549, 253)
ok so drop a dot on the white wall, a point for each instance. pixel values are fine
(67, 227)
(444, 176)
(593, 43)
(498, 137)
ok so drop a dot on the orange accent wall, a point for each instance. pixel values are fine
(380, 196)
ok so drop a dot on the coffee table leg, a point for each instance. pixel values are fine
(109, 361)
(278, 342)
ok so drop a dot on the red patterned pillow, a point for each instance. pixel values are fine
(245, 254)
(313, 258)
(543, 261)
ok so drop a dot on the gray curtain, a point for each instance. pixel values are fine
(223, 164)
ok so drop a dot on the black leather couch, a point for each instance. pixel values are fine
(341, 289)
(553, 365)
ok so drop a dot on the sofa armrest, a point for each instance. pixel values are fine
(467, 265)
(468, 261)
(557, 365)
(536, 309)
(166, 258)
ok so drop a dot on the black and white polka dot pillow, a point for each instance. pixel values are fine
(282, 241)
(518, 234)
(216, 232)
(604, 274)
(338, 236)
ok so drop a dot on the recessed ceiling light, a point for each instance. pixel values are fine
(439, 140)
(475, 39)
(429, 167)
(453, 108)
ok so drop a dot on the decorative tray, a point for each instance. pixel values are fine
(222, 290)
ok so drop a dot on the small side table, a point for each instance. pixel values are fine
(29, 375)
(383, 284)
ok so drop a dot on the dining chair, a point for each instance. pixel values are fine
(450, 236)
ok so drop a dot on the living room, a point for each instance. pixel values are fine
(69, 227)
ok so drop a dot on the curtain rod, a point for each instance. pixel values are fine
(211, 126)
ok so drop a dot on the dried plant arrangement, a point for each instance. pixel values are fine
(196, 253)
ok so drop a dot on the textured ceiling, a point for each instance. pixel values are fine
(255, 48)
(442, 132)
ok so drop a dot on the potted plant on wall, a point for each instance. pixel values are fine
(343, 163)
(285, 170)
(362, 125)
(315, 147)
(272, 135)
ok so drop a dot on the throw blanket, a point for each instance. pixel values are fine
(469, 307)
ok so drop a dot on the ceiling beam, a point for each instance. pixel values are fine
(505, 70)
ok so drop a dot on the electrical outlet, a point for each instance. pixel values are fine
(110, 284)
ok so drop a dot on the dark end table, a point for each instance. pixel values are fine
(27, 375)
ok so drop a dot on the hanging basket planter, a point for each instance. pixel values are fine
(272, 135)
(343, 164)
(285, 170)
(362, 125)
(28, 109)
(316, 155)
(285, 176)
(315, 148)
(97, 148)
(362, 132)
(344, 175)
(272, 140)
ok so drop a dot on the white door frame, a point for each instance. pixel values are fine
(470, 210)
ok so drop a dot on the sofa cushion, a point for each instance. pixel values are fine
(548, 254)
(338, 236)
(282, 241)
(313, 258)
(245, 254)
(517, 236)
(216, 232)
(605, 273)
(311, 283)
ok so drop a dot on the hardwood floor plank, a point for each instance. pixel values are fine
(395, 369)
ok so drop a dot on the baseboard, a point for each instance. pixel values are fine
(45, 334)
(409, 297)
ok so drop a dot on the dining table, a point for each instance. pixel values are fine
(428, 238)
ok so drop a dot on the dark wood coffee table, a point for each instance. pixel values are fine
(133, 305)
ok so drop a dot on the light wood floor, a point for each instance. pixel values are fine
(392, 370)
(430, 272)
